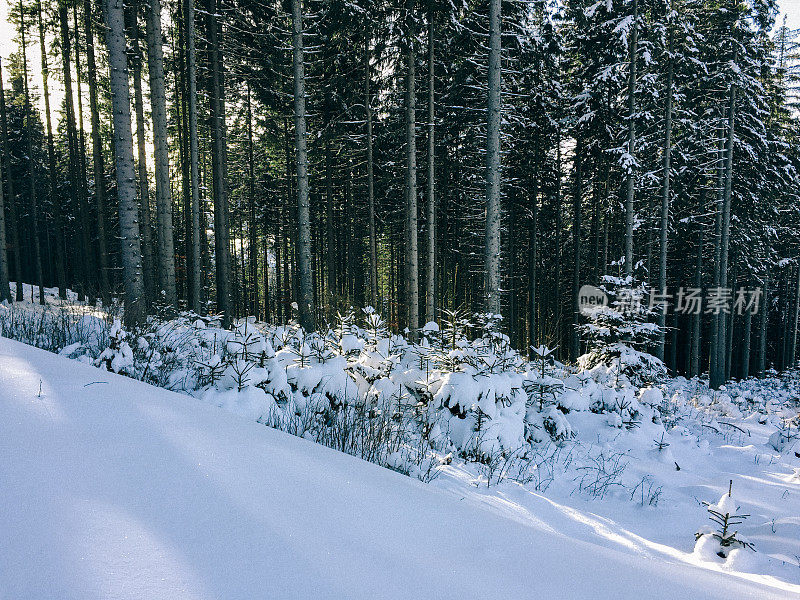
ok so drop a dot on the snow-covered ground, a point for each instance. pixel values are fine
(111, 488)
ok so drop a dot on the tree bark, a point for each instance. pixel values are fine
(131, 256)
(493, 166)
(146, 228)
(631, 175)
(412, 249)
(34, 207)
(58, 225)
(430, 272)
(12, 201)
(97, 154)
(221, 228)
(719, 342)
(574, 346)
(373, 243)
(764, 323)
(194, 160)
(158, 107)
(306, 289)
(665, 197)
(251, 201)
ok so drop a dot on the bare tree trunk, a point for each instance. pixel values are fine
(97, 153)
(694, 351)
(58, 224)
(794, 322)
(194, 153)
(37, 251)
(83, 188)
(221, 229)
(631, 175)
(373, 243)
(306, 289)
(146, 228)
(412, 250)
(12, 201)
(158, 106)
(131, 256)
(557, 267)
(492, 247)
(718, 346)
(762, 333)
(665, 199)
(430, 273)
(533, 255)
(574, 345)
(83, 265)
(251, 225)
(747, 337)
(5, 289)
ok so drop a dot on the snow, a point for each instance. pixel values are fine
(112, 488)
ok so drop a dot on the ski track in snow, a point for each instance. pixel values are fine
(111, 488)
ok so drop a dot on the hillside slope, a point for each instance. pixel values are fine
(111, 488)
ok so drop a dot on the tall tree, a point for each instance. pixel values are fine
(98, 162)
(493, 166)
(218, 171)
(29, 129)
(412, 251)
(158, 106)
(306, 287)
(130, 250)
(57, 216)
(12, 201)
(631, 150)
(194, 157)
(430, 220)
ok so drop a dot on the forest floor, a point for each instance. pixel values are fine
(113, 488)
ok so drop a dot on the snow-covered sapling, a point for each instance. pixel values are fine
(722, 540)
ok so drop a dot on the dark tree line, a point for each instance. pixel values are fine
(293, 159)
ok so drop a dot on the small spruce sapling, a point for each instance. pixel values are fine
(724, 514)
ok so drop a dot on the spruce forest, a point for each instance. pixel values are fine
(296, 160)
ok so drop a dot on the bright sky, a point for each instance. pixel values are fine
(791, 8)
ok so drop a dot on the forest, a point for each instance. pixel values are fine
(432, 159)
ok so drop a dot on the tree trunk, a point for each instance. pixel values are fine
(694, 351)
(130, 256)
(146, 228)
(306, 290)
(97, 153)
(5, 289)
(533, 255)
(221, 230)
(748, 329)
(158, 107)
(83, 264)
(574, 346)
(251, 225)
(83, 188)
(492, 246)
(430, 273)
(762, 333)
(58, 225)
(717, 376)
(194, 153)
(412, 250)
(631, 174)
(12, 201)
(373, 243)
(34, 208)
(665, 199)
